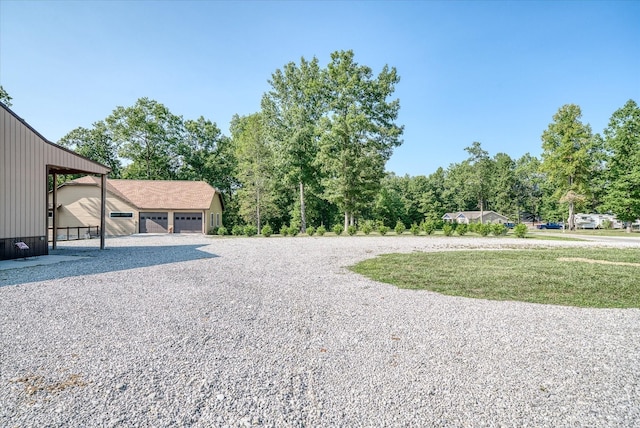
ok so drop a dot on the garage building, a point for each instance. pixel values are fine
(141, 206)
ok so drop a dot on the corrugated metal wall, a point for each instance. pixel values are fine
(24, 156)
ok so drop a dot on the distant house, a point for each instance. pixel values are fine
(140, 206)
(467, 217)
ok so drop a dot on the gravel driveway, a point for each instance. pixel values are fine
(178, 330)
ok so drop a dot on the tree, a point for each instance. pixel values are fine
(503, 186)
(528, 187)
(359, 132)
(622, 143)
(147, 134)
(291, 111)
(96, 144)
(479, 180)
(567, 146)
(206, 154)
(255, 169)
(5, 98)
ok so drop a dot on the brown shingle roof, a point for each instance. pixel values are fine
(158, 194)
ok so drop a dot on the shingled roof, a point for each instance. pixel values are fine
(157, 194)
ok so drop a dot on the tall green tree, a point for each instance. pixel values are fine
(148, 135)
(359, 132)
(528, 187)
(255, 169)
(479, 181)
(567, 157)
(503, 186)
(622, 143)
(291, 111)
(95, 143)
(5, 98)
(206, 154)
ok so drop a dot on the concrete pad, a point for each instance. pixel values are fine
(36, 261)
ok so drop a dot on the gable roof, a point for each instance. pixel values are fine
(472, 215)
(157, 194)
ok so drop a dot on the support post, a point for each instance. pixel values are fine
(54, 218)
(103, 207)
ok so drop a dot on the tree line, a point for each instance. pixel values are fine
(315, 154)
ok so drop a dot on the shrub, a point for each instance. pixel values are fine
(520, 230)
(499, 229)
(483, 229)
(351, 230)
(294, 230)
(607, 224)
(447, 229)
(266, 230)
(473, 227)
(311, 230)
(321, 230)
(284, 231)
(400, 228)
(367, 227)
(222, 231)
(237, 230)
(415, 229)
(337, 229)
(461, 229)
(212, 231)
(429, 227)
(250, 230)
(382, 229)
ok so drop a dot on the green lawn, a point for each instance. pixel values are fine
(536, 276)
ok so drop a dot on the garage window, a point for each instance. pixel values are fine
(120, 215)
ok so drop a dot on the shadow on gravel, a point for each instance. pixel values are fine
(92, 260)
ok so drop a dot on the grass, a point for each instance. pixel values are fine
(536, 276)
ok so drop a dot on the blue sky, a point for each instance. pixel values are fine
(493, 72)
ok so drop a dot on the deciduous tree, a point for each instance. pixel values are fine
(622, 143)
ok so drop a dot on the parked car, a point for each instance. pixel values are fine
(550, 226)
(509, 225)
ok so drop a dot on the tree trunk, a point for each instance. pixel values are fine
(258, 210)
(346, 220)
(572, 224)
(481, 211)
(303, 216)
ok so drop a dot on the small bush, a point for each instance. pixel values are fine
(520, 230)
(337, 229)
(415, 229)
(266, 231)
(429, 227)
(400, 228)
(351, 230)
(461, 229)
(447, 229)
(237, 230)
(483, 229)
(212, 231)
(250, 230)
(222, 231)
(294, 230)
(311, 230)
(607, 224)
(382, 229)
(499, 229)
(321, 230)
(284, 231)
(473, 227)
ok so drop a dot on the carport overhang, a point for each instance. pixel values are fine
(54, 171)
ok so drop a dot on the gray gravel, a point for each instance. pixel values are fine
(196, 331)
